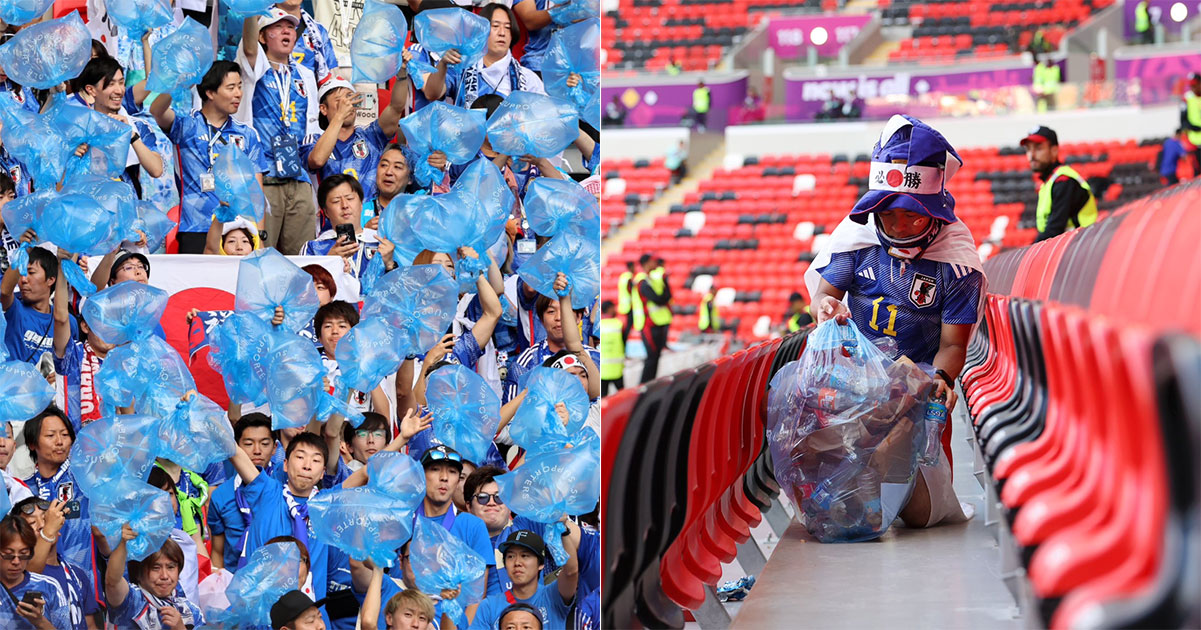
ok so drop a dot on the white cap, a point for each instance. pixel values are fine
(239, 222)
(329, 83)
(276, 14)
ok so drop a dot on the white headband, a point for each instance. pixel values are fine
(917, 180)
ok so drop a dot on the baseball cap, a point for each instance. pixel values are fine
(911, 163)
(276, 14)
(123, 258)
(441, 452)
(1041, 134)
(524, 538)
(329, 83)
(290, 606)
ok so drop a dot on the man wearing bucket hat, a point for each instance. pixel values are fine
(903, 267)
(1065, 201)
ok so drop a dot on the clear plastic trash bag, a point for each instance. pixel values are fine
(179, 60)
(20, 12)
(368, 354)
(554, 484)
(440, 30)
(294, 383)
(574, 255)
(396, 475)
(364, 522)
(419, 300)
(197, 434)
(112, 450)
(846, 426)
(245, 8)
(271, 571)
(154, 223)
(554, 205)
(31, 139)
(139, 16)
(238, 350)
(575, 49)
(536, 426)
(267, 279)
(574, 11)
(377, 44)
(24, 392)
(527, 123)
(125, 311)
(236, 185)
(442, 561)
(148, 511)
(48, 53)
(466, 410)
(396, 224)
(457, 132)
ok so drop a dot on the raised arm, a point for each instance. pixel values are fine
(250, 39)
(404, 388)
(489, 300)
(162, 112)
(569, 575)
(115, 586)
(139, 89)
(410, 425)
(62, 315)
(572, 341)
(244, 467)
(533, 18)
(435, 82)
(151, 161)
(369, 613)
(389, 119)
(329, 138)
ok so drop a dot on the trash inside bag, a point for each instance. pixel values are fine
(236, 185)
(112, 449)
(397, 475)
(125, 311)
(368, 354)
(575, 49)
(197, 434)
(148, 511)
(442, 561)
(24, 392)
(377, 44)
(554, 484)
(267, 279)
(419, 300)
(574, 11)
(179, 60)
(573, 255)
(537, 426)
(527, 123)
(237, 347)
(21, 12)
(554, 205)
(466, 410)
(440, 30)
(846, 425)
(45, 54)
(364, 522)
(139, 16)
(271, 571)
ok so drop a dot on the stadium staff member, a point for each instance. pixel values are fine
(709, 321)
(1190, 117)
(1046, 83)
(798, 315)
(655, 294)
(625, 301)
(613, 349)
(908, 269)
(1065, 201)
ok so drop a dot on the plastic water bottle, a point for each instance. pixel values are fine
(936, 418)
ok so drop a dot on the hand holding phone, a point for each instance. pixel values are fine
(345, 230)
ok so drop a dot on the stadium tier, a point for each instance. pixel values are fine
(628, 186)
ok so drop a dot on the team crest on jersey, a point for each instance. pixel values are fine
(15, 174)
(359, 148)
(923, 290)
(239, 141)
(65, 491)
(300, 88)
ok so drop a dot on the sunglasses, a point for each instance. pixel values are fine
(23, 555)
(484, 498)
(40, 504)
(441, 455)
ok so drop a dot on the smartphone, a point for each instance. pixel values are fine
(31, 597)
(347, 230)
(71, 509)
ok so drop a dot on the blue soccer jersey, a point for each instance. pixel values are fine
(280, 109)
(357, 156)
(539, 39)
(199, 143)
(314, 50)
(21, 94)
(906, 300)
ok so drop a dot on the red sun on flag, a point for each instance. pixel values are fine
(894, 178)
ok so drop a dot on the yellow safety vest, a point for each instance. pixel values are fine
(1142, 19)
(707, 321)
(1192, 103)
(623, 292)
(794, 322)
(660, 315)
(1086, 216)
(636, 306)
(1046, 78)
(700, 100)
(612, 348)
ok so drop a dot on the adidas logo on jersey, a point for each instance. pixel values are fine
(868, 273)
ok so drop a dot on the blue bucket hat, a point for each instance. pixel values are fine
(911, 164)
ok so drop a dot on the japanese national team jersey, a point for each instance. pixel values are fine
(21, 94)
(283, 110)
(56, 610)
(199, 144)
(357, 156)
(906, 300)
(314, 50)
(75, 538)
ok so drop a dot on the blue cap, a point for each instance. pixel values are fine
(911, 164)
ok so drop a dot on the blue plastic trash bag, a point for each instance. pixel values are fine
(179, 60)
(457, 132)
(125, 311)
(569, 253)
(419, 300)
(397, 475)
(396, 224)
(154, 223)
(440, 30)
(245, 8)
(846, 427)
(237, 186)
(442, 561)
(3, 350)
(466, 410)
(236, 350)
(197, 434)
(271, 571)
(111, 450)
(368, 354)
(118, 199)
(554, 484)
(554, 205)
(81, 225)
(574, 11)
(148, 511)
(536, 426)
(266, 279)
(6, 504)
(533, 124)
(418, 71)
(472, 214)
(365, 523)
(48, 53)
(377, 44)
(24, 392)
(294, 383)
(147, 373)
(30, 138)
(574, 49)
(139, 16)
(20, 12)
(21, 214)
(83, 125)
